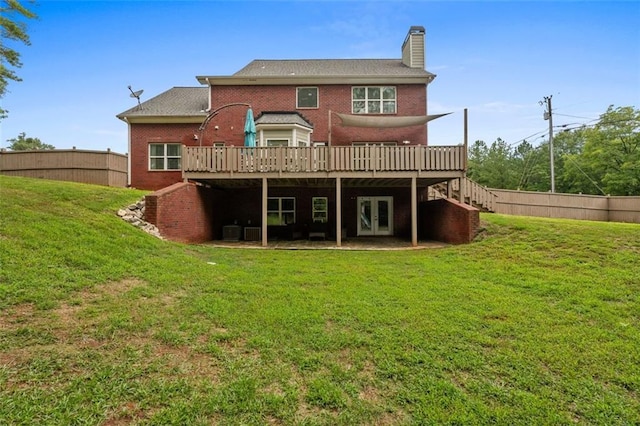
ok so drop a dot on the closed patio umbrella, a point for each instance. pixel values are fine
(249, 130)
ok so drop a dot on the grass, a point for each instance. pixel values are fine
(537, 322)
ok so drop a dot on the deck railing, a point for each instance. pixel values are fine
(369, 158)
(474, 193)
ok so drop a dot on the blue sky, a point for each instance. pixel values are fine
(498, 59)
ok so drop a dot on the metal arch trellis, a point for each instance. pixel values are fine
(213, 113)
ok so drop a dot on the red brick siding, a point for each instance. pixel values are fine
(448, 221)
(144, 134)
(411, 100)
(182, 212)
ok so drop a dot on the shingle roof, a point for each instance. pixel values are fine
(267, 117)
(330, 68)
(175, 102)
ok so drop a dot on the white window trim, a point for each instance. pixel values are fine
(164, 157)
(382, 100)
(382, 143)
(277, 139)
(322, 214)
(317, 97)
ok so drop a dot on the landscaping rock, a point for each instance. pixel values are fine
(134, 214)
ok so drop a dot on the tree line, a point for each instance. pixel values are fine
(603, 159)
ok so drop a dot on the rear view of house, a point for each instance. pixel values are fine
(341, 150)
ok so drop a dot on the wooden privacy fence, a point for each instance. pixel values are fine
(569, 206)
(95, 167)
(322, 159)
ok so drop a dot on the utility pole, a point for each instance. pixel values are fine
(548, 115)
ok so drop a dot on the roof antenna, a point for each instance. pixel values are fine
(136, 94)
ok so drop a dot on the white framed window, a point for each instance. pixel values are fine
(164, 156)
(319, 209)
(277, 142)
(306, 97)
(373, 99)
(281, 210)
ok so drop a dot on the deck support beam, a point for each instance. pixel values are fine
(462, 190)
(414, 212)
(339, 211)
(265, 197)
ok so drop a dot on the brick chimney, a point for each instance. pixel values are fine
(413, 54)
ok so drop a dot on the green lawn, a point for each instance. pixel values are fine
(535, 323)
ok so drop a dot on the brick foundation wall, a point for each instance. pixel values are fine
(182, 212)
(448, 221)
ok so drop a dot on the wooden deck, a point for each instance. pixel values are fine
(235, 162)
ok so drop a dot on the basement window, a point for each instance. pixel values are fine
(281, 210)
(164, 156)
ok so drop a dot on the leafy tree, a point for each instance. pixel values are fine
(613, 149)
(603, 159)
(11, 29)
(609, 159)
(576, 176)
(530, 167)
(23, 143)
(493, 166)
(475, 165)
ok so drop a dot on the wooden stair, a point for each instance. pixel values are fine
(474, 194)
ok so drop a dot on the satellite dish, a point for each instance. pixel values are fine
(135, 94)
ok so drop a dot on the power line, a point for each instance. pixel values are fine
(575, 116)
(582, 171)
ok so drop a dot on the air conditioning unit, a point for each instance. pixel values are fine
(231, 232)
(252, 233)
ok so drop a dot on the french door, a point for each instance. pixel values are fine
(375, 216)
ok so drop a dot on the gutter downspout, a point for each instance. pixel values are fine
(128, 153)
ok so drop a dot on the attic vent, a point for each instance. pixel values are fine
(413, 50)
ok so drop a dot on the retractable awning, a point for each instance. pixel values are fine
(386, 122)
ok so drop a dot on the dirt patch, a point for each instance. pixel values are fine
(116, 288)
(16, 316)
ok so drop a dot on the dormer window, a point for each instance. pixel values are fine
(373, 100)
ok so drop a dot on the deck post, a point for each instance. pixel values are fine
(414, 212)
(339, 211)
(265, 194)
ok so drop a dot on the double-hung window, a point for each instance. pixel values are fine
(319, 209)
(281, 210)
(164, 156)
(306, 97)
(373, 99)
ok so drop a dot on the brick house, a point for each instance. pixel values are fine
(340, 151)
